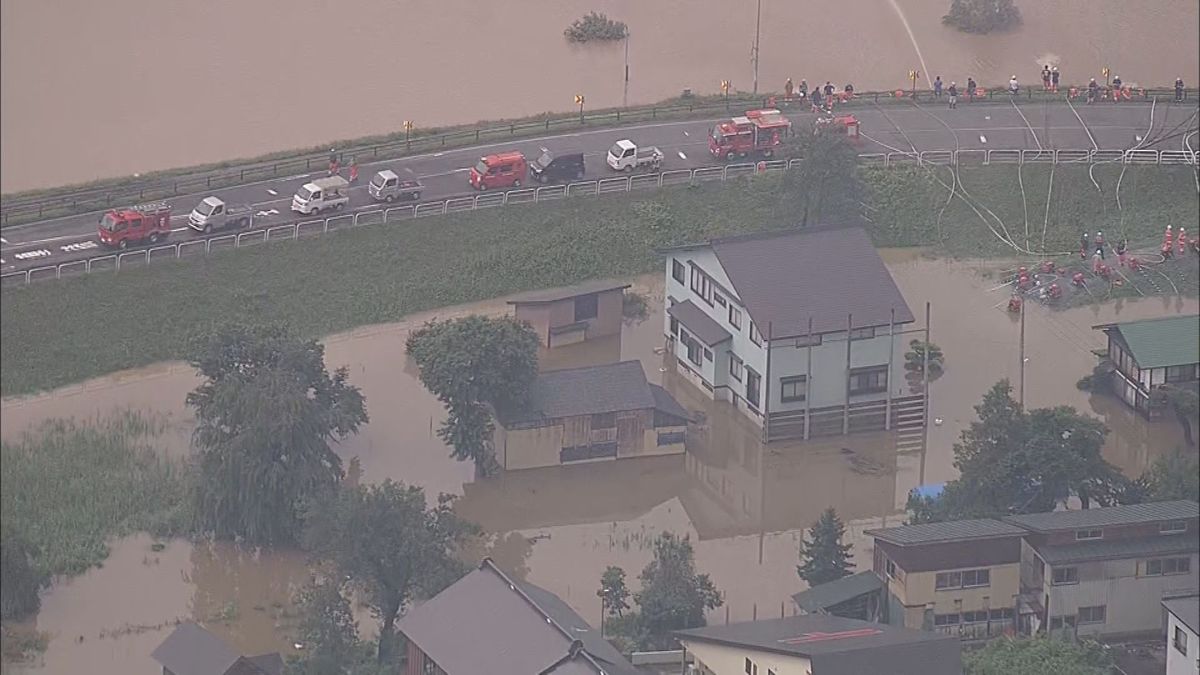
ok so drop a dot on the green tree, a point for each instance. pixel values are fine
(1186, 404)
(673, 596)
(265, 416)
(824, 558)
(613, 593)
(21, 582)
(328, 630)
(1038, 656)
(1175, 475)
(391, 547)
(826, 185)
(476, 366)
(1016, 461)
(914, 359)
(982, 16)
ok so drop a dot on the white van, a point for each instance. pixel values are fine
(321, 194)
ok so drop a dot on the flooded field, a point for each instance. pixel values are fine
(84, 96)
(743, 504)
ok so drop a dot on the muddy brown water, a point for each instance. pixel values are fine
(743, 505)
(107, 89)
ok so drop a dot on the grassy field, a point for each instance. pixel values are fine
(68, 487)
(53, 334)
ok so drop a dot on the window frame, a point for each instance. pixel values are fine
(678, 270)
(1179, 644)
(867, 333)
(792, 380)
(756, 401)
(865, 370)
(1090, 534)
(755, 336)
(1168, 527)
(1072, 577)
(804, 341)
(590, 301)
(599, 420)
(1103, 612)
(739, 373)
(734, 311)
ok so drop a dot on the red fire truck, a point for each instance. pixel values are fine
(758, 131)
(146, 223)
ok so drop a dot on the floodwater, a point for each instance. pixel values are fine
(743, 504)
(85, 96)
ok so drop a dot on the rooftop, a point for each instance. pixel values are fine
(192, 650)
(593, 390)
(836, 592)
(698, 323)
(1186, 609)
(489, 623)
(567, 292)
(1156, 343)
(1107, 516)
(1118, 549)
(837, 646)
(951, 530)
(825, 274)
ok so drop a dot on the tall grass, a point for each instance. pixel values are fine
(68, 487)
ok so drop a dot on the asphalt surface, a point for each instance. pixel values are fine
(978, 126)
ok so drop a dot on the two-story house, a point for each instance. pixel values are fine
(959, 577)
(1183, 635)
(1150, 354)
(802, 330)
(1105, 571)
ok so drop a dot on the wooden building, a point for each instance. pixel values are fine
(571, 314)
(1149, 354)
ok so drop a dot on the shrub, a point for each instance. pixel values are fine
(594, 26)
(982, 16)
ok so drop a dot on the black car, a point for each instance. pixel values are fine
(550, 168)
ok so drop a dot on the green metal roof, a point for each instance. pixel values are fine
(1156, 343)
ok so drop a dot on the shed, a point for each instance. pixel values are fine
(192, 650)
(1153, 353)
(571, 314)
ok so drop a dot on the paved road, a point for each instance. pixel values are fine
(1000, 125)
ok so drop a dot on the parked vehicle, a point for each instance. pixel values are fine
(322, 194)
(386, 186)
(506, 169)
(625, 155)
(548, 167)
(214, 214)
(757, 132)
(147, 223)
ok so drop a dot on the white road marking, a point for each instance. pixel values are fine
(3, 240)
(685, 133)
(270, 212)
(987, 117)
(78, 246)
(438, 154)
(982, 138)
(29, 255)
(272, 192)
(681, 155)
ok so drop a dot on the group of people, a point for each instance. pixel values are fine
(335, 167)
(951, 92)
(820, 97)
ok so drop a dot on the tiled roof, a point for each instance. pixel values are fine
(825, 274)
(1118, 549)
(698, 323)
(1156, 343)
(836, 592)
(951, 530)
(1112, 515)
(565, 292)
(591, 390)
(192, 650)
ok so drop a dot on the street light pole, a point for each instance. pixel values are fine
(757, 34)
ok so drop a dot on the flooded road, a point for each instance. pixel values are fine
(743, 504)
(98, 90)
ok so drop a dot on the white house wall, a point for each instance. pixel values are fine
(1177, 663)
(726, 660)
(827, 382)
(1133, 604)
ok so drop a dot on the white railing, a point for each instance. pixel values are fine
(378, 216)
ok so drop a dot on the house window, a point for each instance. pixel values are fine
(587, 307)
(978, 616)
(702, 285)
(963, 579)
(976, 578)
(946, 619)
(1181, 373)
(735, 317)
(862, 333)
(674, 326)
(735, 367)
(1179, 641)
(1062, 576)
(753, 384)
(1086, 535)
(891, 569)
(694, 351)
(1091, 614)
(719, 298)
(678, 273)
(1172, 527)
(793, 388)
(755, 336)
(428, 667)
(870, 380)
(809, 341)
(707, 354)
(1167, 566)
(1057, 622)
(748, 666)
(604, 421)
(1001, 614)
(671, 437)
(945, 580)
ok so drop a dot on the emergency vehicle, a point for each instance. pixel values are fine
(506, 169)
(756, 132)
(146, 223)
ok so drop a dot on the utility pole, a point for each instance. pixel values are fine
(1021, 381)
(757, 34)
(625, 98)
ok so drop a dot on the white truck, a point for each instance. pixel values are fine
(212, 213)
(624, 155)
(321, 194)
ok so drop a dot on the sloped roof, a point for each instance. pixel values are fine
(1118, 549)
(698, 323)
(664, 402)
(591, 390)
(1157, 343)
(1111, 515)
(951, 530)
(1187, 609)
(192, 650)
(565, 292)
(824, 274)
(838, 591)
(489, 623)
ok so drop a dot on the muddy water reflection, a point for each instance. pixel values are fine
(234, 79)
(743, 504)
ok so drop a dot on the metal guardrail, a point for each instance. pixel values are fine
(85, 198)
(310, 228)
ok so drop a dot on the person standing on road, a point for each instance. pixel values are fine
(353, 169)
(1122, 247)
(1179, 90)
(1046, 77)
(788, 88)
(1099, 244)
(1085, 245)
(971, 87)
(953, 99)
(1054, 79)
(1093, 91)
(1013, 87)
(1116, 88)
(937, 86)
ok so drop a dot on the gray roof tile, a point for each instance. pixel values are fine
(591, 390)
(823, 273)
(1118, 549)
(192, 650)
(698, 323)
(1187, 609)
(836, 592)
(565, 292)
(951, 530)
(1166, 341)
(1112, 515)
